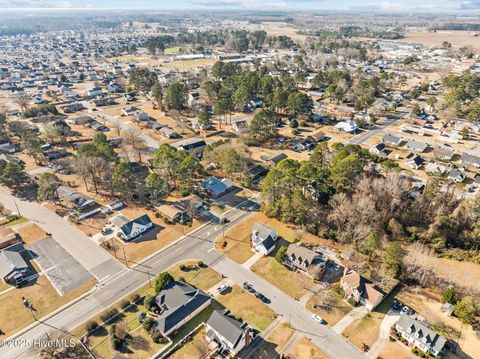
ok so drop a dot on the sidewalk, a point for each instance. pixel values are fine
(356, 313)
(251, 261)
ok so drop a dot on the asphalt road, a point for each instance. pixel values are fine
(92, 257)
(366, 135)
(197, 245)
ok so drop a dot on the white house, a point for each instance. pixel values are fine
(263, 238)
(347, 126)
(129, 229)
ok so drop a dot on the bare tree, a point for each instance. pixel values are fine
(134, 138)
(60, 345)
(23, 101)
(117, 126)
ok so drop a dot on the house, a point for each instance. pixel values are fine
(300, 258)
(230, 334)
(55, 154)
(239, 125)
(273, 160)
(129, 229)
(97, 126)
(378, 149)
(263, 239)
(444, 154)
(470, 160)
(13, 268)
(304, 145)
(94, 91)
(414, 161)
(154, 125)
(391, 140)
(456, 175)
(193, 145)
(215, 187)
(75, 199)
(420, 336)
(417, 146)
(178, 303)
(360, 289)
(436, 168)
(173, 213)
(347, 126)
(139, 116)
(318, 136)
(168, 132)
(129, 110)
(7, 237)
(7, 157)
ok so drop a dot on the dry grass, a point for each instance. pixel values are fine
(30, 232)
(203, 278)
(333, 309)
(304, 349)
(365, 330)
(456, 38)
(396, 350)
(194, 348)
(246, 306)
(292, 283)
(281, 335)
(188, 65)
(45, 300)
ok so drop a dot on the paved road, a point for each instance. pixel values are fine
(196, 245)
(366, 135)
(92, 257)
(152, 143)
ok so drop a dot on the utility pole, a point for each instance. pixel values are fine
(125, 257)
(16, 205)
(149, 282)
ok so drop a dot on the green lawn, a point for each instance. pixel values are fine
(172, 50)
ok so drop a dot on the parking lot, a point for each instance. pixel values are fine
(63, 271)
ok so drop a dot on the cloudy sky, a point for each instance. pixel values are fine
(393, 5)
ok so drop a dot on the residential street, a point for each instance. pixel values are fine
(197, 245)
(92, 257)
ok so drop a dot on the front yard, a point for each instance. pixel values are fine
(293, 283)
(365, 330)
(29, 232)
(304, 349)
(44, 298)
(244, 305)
(202, 277)
(329, 305)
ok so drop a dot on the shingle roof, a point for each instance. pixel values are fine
(301, 253)
(10, 260)
(181, 299)
(425, 334)
(129, 227)
(229, 328)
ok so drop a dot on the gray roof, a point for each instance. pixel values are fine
(180, 300)
(392, 139)
(9, 261)
(413, 327)
(470, 159)
(229, 328)
(301, 253)
(263, 232)
(417, 145)
(71, 195)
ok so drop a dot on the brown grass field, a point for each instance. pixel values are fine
(304, 349)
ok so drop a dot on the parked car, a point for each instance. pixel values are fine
(406, 310)
(396, 305)
(248, 287)
(223, 288)
(318, 319)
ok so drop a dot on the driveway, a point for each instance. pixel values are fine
(92, 257)
(390, 319)
(355, 313)
(59, 266)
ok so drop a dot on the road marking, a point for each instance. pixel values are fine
(210, 250)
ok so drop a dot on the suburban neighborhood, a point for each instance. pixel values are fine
(239, 180)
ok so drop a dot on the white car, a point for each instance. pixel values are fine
(318, 319)
(222, 288)
(406, 311)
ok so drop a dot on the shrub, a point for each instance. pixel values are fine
(124, 303)
(352, 302)
(162, 281)
(147, 323)
(183, 267)
(109, 314)
(91, 326)
(149, 302)
(294, 124)
(280, 253)
(200, 264)
(157, 337)
(135, 298)
(115, 343)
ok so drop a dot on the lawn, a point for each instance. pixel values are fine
(292, 283)
(45, 300)
(329, 305)
(396, 350)
(172, 50)
(16, 221)
(203, 278)
(365, 330)
(195, 348)
(244, 305)
(30, 232)
(281, 335)
(304, 349)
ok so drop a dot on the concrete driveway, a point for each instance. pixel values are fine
(356, 313)
(390, 319)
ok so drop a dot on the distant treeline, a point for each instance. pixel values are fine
(456, 26)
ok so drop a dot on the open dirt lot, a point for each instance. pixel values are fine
(203, 278)
(456, 38)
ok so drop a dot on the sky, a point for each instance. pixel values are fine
(362, 5)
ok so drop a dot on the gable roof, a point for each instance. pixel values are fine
(421, 332)
(180, 300)
(141, 222)
(392, 139)
(11, 260)
(301, 253)
(229, 328)
(367, 289)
